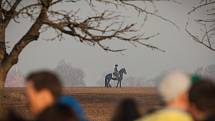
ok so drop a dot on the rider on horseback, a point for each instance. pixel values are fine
(116, 72)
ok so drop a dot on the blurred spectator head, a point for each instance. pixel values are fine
(57, 112)
(202, 98)
(127, 110)
(174, 87)
(42, 88)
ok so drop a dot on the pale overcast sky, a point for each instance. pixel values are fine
(181, 51)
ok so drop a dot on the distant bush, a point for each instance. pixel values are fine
(70, 75)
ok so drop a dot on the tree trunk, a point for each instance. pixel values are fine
(4, 68)
(2, 36)
(2, 110)
(3, 74)
(2, 43)
(2, 77)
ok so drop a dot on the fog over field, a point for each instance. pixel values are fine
(90, 63)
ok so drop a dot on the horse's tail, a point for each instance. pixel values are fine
(107, 79)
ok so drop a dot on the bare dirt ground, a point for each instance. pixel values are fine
(99, 103)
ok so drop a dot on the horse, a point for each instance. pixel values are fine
(109, 77)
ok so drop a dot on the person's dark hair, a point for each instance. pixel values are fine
(46, 80)
(202, 95)
(127, 110)
(57, 112)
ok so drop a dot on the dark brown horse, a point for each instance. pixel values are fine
(109, 77)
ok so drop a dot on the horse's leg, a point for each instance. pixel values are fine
(120, 83)
(108, 83)
(117, 84)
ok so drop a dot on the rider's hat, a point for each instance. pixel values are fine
(116, 64)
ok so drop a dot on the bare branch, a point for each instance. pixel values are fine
(207, 24)
(206, 20)
(106, 48)
(28, 11)
(199, 6)
(10, 14)
(86, 32)
(199, 40)
(140, 9)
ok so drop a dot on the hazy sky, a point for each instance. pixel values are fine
(181, 51)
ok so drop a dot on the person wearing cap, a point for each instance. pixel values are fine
(173, 90)
(116, 72)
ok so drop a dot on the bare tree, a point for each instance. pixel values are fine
(103, 25)
(206, 21)
(207, 71)
(70, 75)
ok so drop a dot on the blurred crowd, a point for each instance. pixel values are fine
(184, 97)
